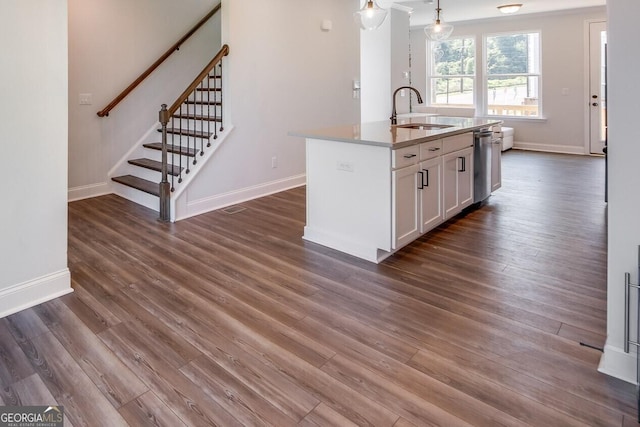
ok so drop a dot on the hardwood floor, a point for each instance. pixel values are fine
(232, 319)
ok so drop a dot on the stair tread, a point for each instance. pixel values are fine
(156, 166)
(172, 149)
(197, 117)
(188, 132)
(209, 89)
(139, 184)
(211, 102)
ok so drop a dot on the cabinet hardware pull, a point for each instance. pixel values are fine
(421, 183)
(408, 156)
(434, 148)
(426, 172)
(464, 164)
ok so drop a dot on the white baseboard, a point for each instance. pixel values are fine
(616, 363)
(87, 191)
(33, 292)
(548, 148)
(219, 201)
(346, 245)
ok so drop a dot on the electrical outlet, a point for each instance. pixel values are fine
(85, 98)
(274, 162)
(343, 165)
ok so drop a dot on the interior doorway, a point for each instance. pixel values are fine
(597, 86)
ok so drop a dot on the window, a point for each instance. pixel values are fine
(512, 74)
(453, 67)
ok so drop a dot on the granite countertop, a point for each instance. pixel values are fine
(383, 134)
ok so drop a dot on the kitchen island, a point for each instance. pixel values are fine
(372, 188)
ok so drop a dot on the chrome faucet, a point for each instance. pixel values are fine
(394, 116)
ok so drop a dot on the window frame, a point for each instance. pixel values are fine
(430, 68)
(484, 86)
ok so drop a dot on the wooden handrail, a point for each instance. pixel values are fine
(224, 51)
(105, 111)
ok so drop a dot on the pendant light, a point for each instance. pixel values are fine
(371, 16)
(438, 31)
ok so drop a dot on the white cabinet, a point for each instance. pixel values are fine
(457, 181)
(430, 194)
(370, 200)
(417, 192)
(496, 165)
(405, 214)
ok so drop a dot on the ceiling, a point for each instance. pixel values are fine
(465, 10)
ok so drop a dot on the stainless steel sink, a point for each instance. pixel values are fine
(422, 126)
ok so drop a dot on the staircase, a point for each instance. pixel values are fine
(185, 133)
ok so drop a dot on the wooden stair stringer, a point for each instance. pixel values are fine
(123, 167)
(202, 161)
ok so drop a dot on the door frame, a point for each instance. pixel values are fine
(587, 83)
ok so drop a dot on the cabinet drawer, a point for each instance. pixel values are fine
(404, 156)
(457, 142)
(431, 149)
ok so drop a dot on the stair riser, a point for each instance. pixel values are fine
(205, 96)
(211, 110)
(143, 173)
(157, 156)
(145, 199)
(191, 124)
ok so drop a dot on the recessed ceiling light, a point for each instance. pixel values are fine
(510, 8)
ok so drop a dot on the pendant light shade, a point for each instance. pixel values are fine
(371, 16)
(439, 30)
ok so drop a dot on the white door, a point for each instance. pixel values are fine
(405, 210)
(465, 178)
(430, 194)
(597, 86)
(450, 201)
(496, 165)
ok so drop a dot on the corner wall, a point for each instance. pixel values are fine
(624, 180)
(33, 219)
(110, 44)
(283, 73)
(563, 66)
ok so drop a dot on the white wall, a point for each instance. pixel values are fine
(110, 44)
(33, 219)
(283, 73)
(400, 59)
(624, 178)
(384, 57)
(563, 66)
(375, 78)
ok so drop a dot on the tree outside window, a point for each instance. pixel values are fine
(452, 76)
(513, 74)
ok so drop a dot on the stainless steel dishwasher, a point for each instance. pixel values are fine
(482, 140)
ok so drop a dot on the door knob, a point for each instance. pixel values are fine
(594, 96)
(595, 104)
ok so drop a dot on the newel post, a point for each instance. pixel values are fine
(165, 214)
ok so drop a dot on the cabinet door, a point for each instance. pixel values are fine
(431, 212)
(496, 166)
(450, 185)
(465, 178)
(405, 205)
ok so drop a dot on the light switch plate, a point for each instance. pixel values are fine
(85, 98)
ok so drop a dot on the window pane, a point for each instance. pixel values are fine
(452, 91)
(453, 67)
(454, 57)
(513, 96)
(513, 54)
